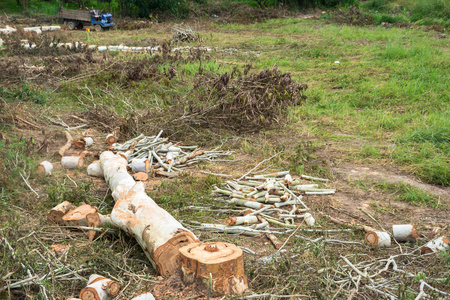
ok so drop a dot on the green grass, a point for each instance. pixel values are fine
(389, 86)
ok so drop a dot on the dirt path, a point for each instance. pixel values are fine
(361, 172)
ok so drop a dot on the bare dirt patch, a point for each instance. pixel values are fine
(377, 174)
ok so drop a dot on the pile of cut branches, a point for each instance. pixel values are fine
(243, 103)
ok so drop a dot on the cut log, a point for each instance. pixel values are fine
(72, 162)
(140, 176)
(275, 241)
(246, 220)
(66, 145)
(222, 261)
(146, 296)
(94, 169)
(404, 233)
(84, 215)
(111, 139)
(56, 214)
(309, 219)
(140, 165)
(83, 143)
(99, 288)
(156, 231)
(45, 168)
(378, 239)
(435, 245)
(126, 154)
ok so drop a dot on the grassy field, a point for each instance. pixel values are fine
(377, 100)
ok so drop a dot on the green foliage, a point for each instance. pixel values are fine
(436, 9)
(24, 92)
(61, 191)
(148, 7)
(407, 193)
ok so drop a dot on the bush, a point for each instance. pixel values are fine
(436, 9)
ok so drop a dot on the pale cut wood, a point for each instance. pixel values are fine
(111, 139)
(309, 219)
(245, 220)
(94, 169)
(222, 261)
(56, 214)
(72, 162)
(66, 145)
(405, 233)
(140, 176)
(140, 165)
(146, 296)
(156, 231)
(99, 288)
(275, 241)
(378, 239)
(45, 168)
(435, 245)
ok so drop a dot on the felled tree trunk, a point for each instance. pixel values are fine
(158, 233)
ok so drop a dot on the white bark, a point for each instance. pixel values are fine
(146, 296)
(378, 239)
(245, 220)
(140, 165)
(89, 141)
(7, 30)
(126, 154)
(435, 245)
(72, 162)
(99, 288)
(309, 219)
(94, 169)
(404, 233)
(158, 233)
(46, 168)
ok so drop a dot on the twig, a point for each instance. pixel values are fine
(215, 174)
(263, 161)
(28, 184)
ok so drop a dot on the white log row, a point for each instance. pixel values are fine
(156, 231)
(111, 139)
(378, 239)
(146, 296)
(7, 30)
(245, 220)
(404, 233)
(99, 288)
(94, 169)
(46, 168)
(140, 165)
(72, 162)
(56, 214)
(435, 245)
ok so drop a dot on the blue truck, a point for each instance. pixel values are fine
(76, 19)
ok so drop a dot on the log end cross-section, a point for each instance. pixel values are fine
(222, 261)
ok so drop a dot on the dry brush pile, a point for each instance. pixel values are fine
(243, 103)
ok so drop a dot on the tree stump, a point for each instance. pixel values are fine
(222, 261)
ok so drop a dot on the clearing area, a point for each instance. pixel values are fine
(365, 107)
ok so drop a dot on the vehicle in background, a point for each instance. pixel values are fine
(76, 19)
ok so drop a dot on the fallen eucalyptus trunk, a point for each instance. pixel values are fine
(158, 233)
